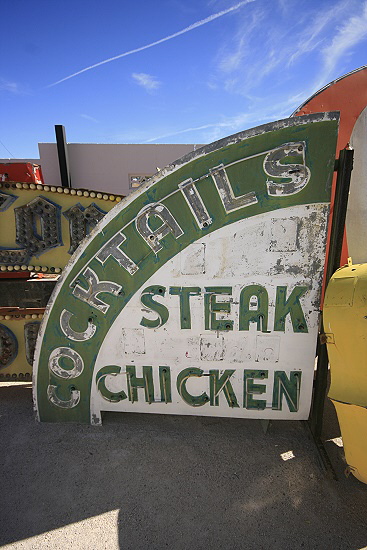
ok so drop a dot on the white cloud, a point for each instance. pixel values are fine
(309, 39)
(258, 51)
(264, 112)
(183, 31)
(147, 81)
(9, 86)
(347, 36)
(255, 50)
(232, 60)
(242, 45)
(286, 6)
(88, 117)
(212, 85)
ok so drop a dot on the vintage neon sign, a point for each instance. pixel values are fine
(42, 226)
(199, 293)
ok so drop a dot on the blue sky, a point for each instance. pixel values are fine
(166, 71)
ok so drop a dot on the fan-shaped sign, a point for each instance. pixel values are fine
(199, 293)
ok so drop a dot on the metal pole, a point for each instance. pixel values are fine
(344, 170)
(63, 155)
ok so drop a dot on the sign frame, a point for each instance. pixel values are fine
(204, 192)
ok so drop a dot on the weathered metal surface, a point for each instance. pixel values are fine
(22, 305)
(26, 293)
(41, 226)
(199, 294)
(18, 335)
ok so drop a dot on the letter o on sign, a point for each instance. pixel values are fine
(62, 372)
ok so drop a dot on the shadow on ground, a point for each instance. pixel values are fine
(173, 482)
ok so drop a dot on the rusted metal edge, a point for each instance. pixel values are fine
(326, 87)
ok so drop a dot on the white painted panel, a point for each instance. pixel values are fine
(230, 256)
(194, 262)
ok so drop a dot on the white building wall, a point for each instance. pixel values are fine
(107, 167)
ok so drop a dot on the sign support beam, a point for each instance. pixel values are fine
(344, 171)
(62, 153)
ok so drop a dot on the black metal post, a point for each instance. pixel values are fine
(344, 170)
(63, 155)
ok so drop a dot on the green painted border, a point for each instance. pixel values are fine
(319, 132)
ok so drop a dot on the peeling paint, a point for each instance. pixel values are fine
(202, 298)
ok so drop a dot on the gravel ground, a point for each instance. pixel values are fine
(152, 481)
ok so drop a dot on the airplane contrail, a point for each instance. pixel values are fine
(183, 31)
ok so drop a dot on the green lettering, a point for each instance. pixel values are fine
(113, 370)
(289, 387)
(292, 306)
(146, 382)
(147, 300)
(165, 384)
(212, 307)
(218, 384)
(254, 304)
(184, 293)
(251, 389)
(193, 400)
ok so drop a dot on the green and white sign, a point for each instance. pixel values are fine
(199, 293)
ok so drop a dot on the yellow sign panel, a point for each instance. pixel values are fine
(41, 225)
(18, 335)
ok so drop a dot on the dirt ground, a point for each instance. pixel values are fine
(152, 481)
